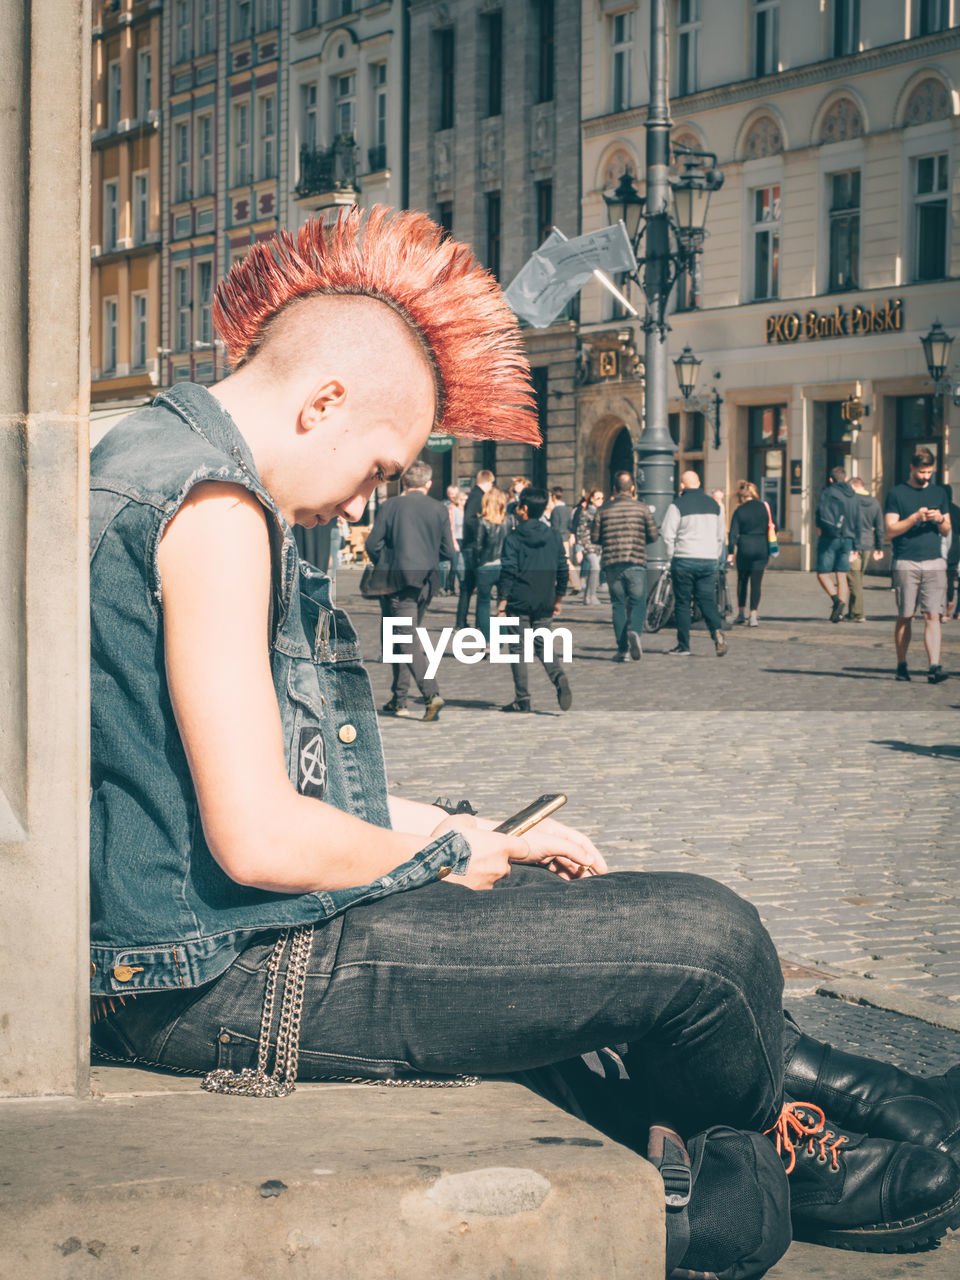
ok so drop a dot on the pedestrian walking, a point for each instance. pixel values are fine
(917, 518)
(838, 524)
(693, 535)
(448, 568)
(588, 550)
(749, 548)
(490, 535)
(953, 564)
(471, 518)
(533, 579)
(871, 546)
(621, 529)
(410, 536)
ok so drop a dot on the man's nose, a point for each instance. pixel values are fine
(353, 509)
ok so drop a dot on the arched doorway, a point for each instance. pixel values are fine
(621, 456)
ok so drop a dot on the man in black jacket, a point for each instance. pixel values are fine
(533, 578)
(871, 546)
(471, 523)
(410, 536)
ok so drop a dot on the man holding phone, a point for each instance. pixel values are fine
(917, 517)
(262, 906)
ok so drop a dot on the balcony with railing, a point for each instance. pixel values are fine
(329, 171)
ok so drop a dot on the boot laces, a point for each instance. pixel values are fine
(804, 1124)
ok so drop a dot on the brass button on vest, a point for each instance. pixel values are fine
(443, 872)
(124, 972)
(347, 733)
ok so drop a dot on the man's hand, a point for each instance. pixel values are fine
(568, 853)
(730, 559)
(878, 555)
(934, 515)
(502, 609)
(556, 607)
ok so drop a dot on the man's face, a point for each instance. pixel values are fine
(920, 477)
(339, 463)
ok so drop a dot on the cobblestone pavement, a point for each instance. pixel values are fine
(795, 770)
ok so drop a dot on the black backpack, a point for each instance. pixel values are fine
(831, 512)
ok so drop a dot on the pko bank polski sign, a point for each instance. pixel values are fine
(469, 646)
(791, 326)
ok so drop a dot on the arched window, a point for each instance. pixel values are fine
(930, 100)
(764, 139)
(841, 122)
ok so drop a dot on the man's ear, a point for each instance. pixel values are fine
(323, 397)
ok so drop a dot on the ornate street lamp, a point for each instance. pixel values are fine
(687, 367)
(627, 205)
(936, 351)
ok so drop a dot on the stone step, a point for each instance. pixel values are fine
(152, 1178)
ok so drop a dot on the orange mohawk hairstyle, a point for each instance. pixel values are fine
(454, 307)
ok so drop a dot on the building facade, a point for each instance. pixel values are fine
(347, 102)
(125, 203)
(494, 158)
(831, 249)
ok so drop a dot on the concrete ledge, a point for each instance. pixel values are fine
(153, 1178)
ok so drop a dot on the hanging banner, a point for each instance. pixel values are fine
(560, 268)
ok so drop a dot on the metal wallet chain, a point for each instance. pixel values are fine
(255, 1082)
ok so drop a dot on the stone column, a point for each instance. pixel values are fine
(44, 640)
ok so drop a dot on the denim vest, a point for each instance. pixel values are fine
(163, 912)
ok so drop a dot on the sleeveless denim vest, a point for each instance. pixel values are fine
(163, 912)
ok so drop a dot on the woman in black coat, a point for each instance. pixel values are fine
(749, 548)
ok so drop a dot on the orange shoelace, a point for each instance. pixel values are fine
(793, 1127)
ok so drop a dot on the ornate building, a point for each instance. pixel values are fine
(494, 154)
(125, 203)
(831, 248)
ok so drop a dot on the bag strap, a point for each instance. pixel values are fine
(668, 1155)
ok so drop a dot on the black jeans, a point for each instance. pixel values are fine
(538, 970)
(411, 604)
(695, 578)
(749, 572)
(520, 669)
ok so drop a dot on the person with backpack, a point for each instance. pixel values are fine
(838, 524)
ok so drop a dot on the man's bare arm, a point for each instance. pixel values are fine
(215, 570)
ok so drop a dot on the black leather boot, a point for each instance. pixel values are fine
(877, 1099)
(854, 1192)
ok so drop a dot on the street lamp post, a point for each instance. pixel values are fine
(936, 351)
(650, 218)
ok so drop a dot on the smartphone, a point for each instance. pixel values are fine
(520, 822)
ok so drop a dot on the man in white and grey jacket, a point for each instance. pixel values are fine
(694, 536)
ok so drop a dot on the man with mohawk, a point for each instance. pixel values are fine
(254, 887)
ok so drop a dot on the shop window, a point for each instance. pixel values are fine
(844, 231)
(930, 217)
(918, 423)
(621, 53)
(838, 448)
(767, 455)
(688, 46)
(689, 432)
(765, 203)
(766, 37)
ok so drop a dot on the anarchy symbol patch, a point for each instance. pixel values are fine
(313, 763)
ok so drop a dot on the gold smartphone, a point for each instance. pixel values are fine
(526, 818)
